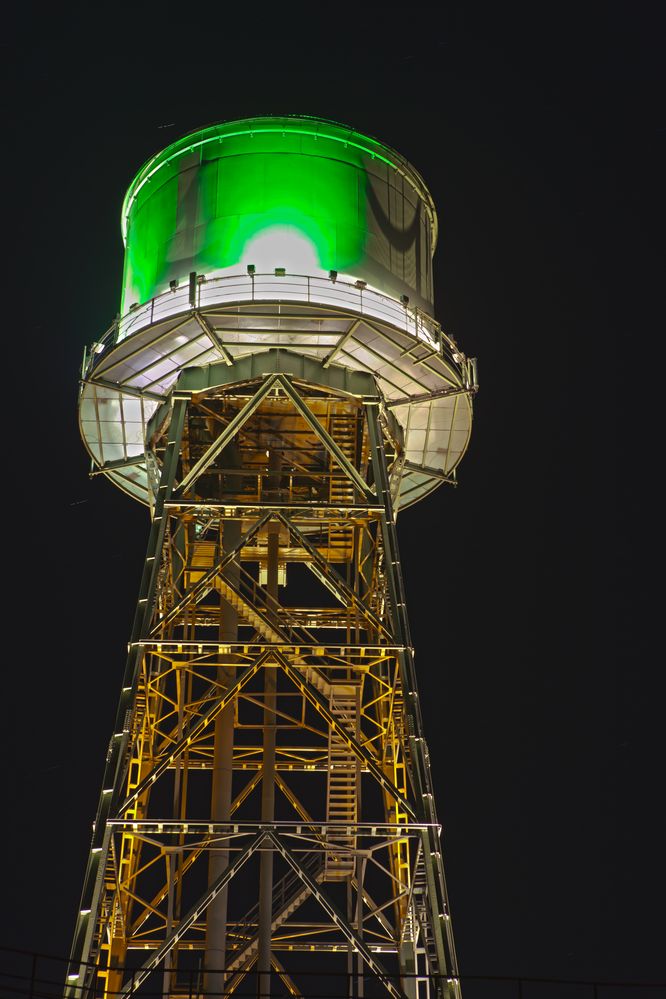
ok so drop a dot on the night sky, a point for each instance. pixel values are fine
(526, 585)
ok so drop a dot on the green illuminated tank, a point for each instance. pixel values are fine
(307, 195)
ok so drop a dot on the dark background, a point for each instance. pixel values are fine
(538, 138)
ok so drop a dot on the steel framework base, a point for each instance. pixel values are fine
(266, 751)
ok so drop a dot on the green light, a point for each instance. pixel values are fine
(190, 143)
(315, 198)
(280, 192)
(147, 254)
(208, 214)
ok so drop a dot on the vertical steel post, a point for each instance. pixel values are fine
(223, 752)
(268, 762)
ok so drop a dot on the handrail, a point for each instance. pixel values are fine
(249, 288)
(35, 975)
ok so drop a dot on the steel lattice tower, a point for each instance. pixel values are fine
(275, 389)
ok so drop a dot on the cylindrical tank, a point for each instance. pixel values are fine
(302, 194)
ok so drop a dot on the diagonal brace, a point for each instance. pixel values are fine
(211, 892)
(318, 703)
(212, 335)
(326, 439)
(341, 342)
(342, 591)
(432, 473)
(198, 590)
(239, 420)
(337, 917)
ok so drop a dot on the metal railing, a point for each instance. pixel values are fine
(296, 288)
(42, 976)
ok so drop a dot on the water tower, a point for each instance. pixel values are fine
(274, 390)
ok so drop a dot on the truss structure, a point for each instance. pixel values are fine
(267, 814)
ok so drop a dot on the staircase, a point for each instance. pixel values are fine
(288, 894)
(247, 611)
(342, 787)
(203, 555)
(250, 610)
(250, 601)
(342, 429)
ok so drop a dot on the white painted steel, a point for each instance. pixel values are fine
(336, 322)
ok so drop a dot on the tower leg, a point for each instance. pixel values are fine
(223, 753)
(268, 786)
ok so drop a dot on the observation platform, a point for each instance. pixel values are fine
(425, 380)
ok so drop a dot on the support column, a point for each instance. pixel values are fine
(221, 793)
(268, 776)
(437, 899)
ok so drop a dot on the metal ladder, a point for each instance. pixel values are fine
(342, 429)
(342, 785)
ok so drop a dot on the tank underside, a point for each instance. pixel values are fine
(423, 378)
